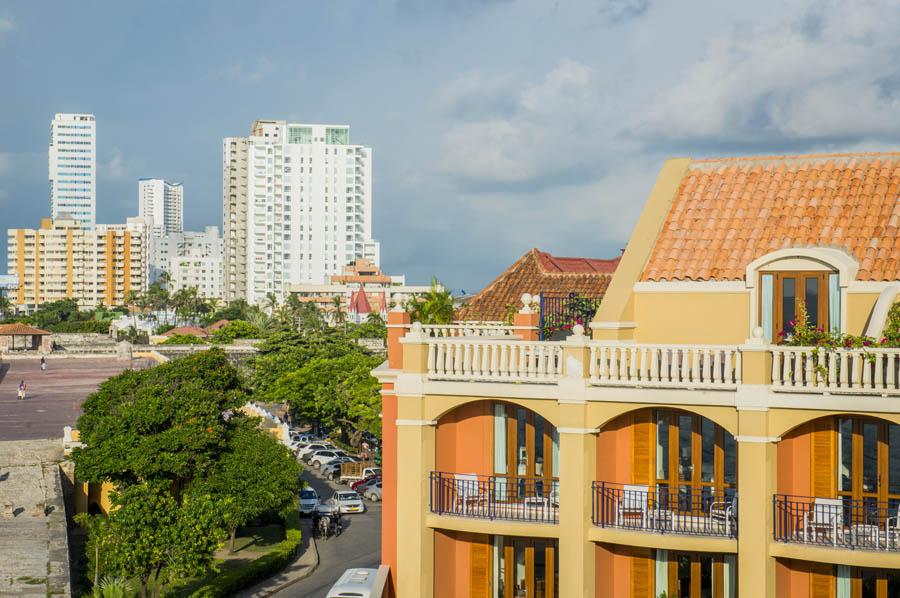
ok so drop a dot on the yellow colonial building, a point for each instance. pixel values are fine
(677, 444)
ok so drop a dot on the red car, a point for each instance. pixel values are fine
(361, 485)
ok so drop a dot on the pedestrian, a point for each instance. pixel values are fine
(22, 388)
(43, 364)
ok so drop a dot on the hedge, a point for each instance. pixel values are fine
(231, 581)
(80, 326)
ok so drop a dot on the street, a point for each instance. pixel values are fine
(358, 546)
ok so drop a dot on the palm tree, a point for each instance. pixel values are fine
(436, 307)
(5, 306)
(340, 317)
(271, 303)
(375, 319)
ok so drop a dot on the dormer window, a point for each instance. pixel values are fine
(783, 292)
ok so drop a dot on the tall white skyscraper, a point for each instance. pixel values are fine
(162, 203)
(73, 168)
(297, 207)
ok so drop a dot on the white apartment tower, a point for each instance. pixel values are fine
(191, 259)
(73, 168)
(162, 204)
(297, 207)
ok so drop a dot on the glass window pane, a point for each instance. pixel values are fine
(870, 456)
(500, 465)
(893, 583)
(538, 446)
(662, 445)
(788, 304)
(869, 589)
(708, 450)
(683, 583)
(554, 457)
(730, 450)
(521, 451)
(845, 455)
(685, 462)
(499, 581)
(540, 570)
(893, 459)
(706, 577)
(519, 579)
(812, 302)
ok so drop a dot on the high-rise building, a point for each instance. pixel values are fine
(297, 207)
(62, 260)
(162, 203)
(73, 168)
(191, 259)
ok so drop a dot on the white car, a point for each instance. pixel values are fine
(309, 501)
(348, 502)
(373, 492)
(306, 451)
(332, 469)
(324, 457)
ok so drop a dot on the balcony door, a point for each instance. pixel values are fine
(696, 461)
(788, 291)
(525, 568)
(868, 463)
(526, 447)
(874, 583)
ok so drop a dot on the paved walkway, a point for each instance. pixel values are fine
(300, 569)
(34, 552)
(54, 397)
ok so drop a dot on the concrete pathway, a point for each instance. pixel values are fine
(300, 569)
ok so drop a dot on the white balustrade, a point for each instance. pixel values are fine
(866, 370)
(501, 360)
(676, 366)
(491, 329)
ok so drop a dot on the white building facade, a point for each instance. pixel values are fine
(162, 204)
(297, 207)
(72, 158)
(192, 259)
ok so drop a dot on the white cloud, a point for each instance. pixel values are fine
(6, 25)
(116, 168)
(243, 73)
(6, 162)
(830, 75)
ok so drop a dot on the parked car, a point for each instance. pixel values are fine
(332, 470)
(323, 457)
(348, 501)
(358, 471)
(373, 492)
(307, 451)
(309, 501)
(362, 485)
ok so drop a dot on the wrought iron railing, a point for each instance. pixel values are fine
(688, 511)
(862, 524)
(495, 497)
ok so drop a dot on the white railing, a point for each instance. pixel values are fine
(464, 329)
(814, 369)
(677, 366)
(494, 360)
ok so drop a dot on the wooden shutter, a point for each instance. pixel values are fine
(822, 583)
(822, 451)
(643, 584)
(641, 444)
(480, 566)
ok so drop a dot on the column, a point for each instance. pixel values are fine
(527, 321)
(577, 469)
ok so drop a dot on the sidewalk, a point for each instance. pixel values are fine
(301, 568)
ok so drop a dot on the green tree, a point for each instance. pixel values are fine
(338, 315)
(235, 329)
(256, 475)
(5, 306)
(436, 307)
(165, 423)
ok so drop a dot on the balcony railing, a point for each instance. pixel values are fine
(464, 329)
(687, 511)
(509, 498)
(685, 366)
(837, 522)
(490, 360)
(813, 369)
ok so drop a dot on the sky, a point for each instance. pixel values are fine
(496, 125)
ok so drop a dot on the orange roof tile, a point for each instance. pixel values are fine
(194, 330)
(728, 212)
(537, 272)
(19, 329)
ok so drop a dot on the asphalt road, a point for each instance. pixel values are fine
(358, 546)
(54, 397)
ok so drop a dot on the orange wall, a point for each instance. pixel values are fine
(389, 484)
(614, 451)
(794, 462)
(612, 576)
(791, 579)
(464, 440)
(451, 564)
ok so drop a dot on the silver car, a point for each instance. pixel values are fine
(309, 501)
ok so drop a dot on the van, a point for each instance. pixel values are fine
(360, 583)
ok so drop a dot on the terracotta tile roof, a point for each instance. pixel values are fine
(195, 330)
(17, 328)
(729, 212)
(537, 272)
(218, 324)
(359, 303)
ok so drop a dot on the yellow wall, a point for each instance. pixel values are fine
(701, 318)
(859, 308)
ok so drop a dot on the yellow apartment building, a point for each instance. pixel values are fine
(683, 445)
(61, 260)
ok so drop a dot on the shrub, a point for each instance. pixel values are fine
(184, 339)
(113, 587)
(232, 581)
(235, 329)
(80, 326)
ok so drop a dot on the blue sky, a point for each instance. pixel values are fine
(496, 125)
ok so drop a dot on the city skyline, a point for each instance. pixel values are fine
(491, 119)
